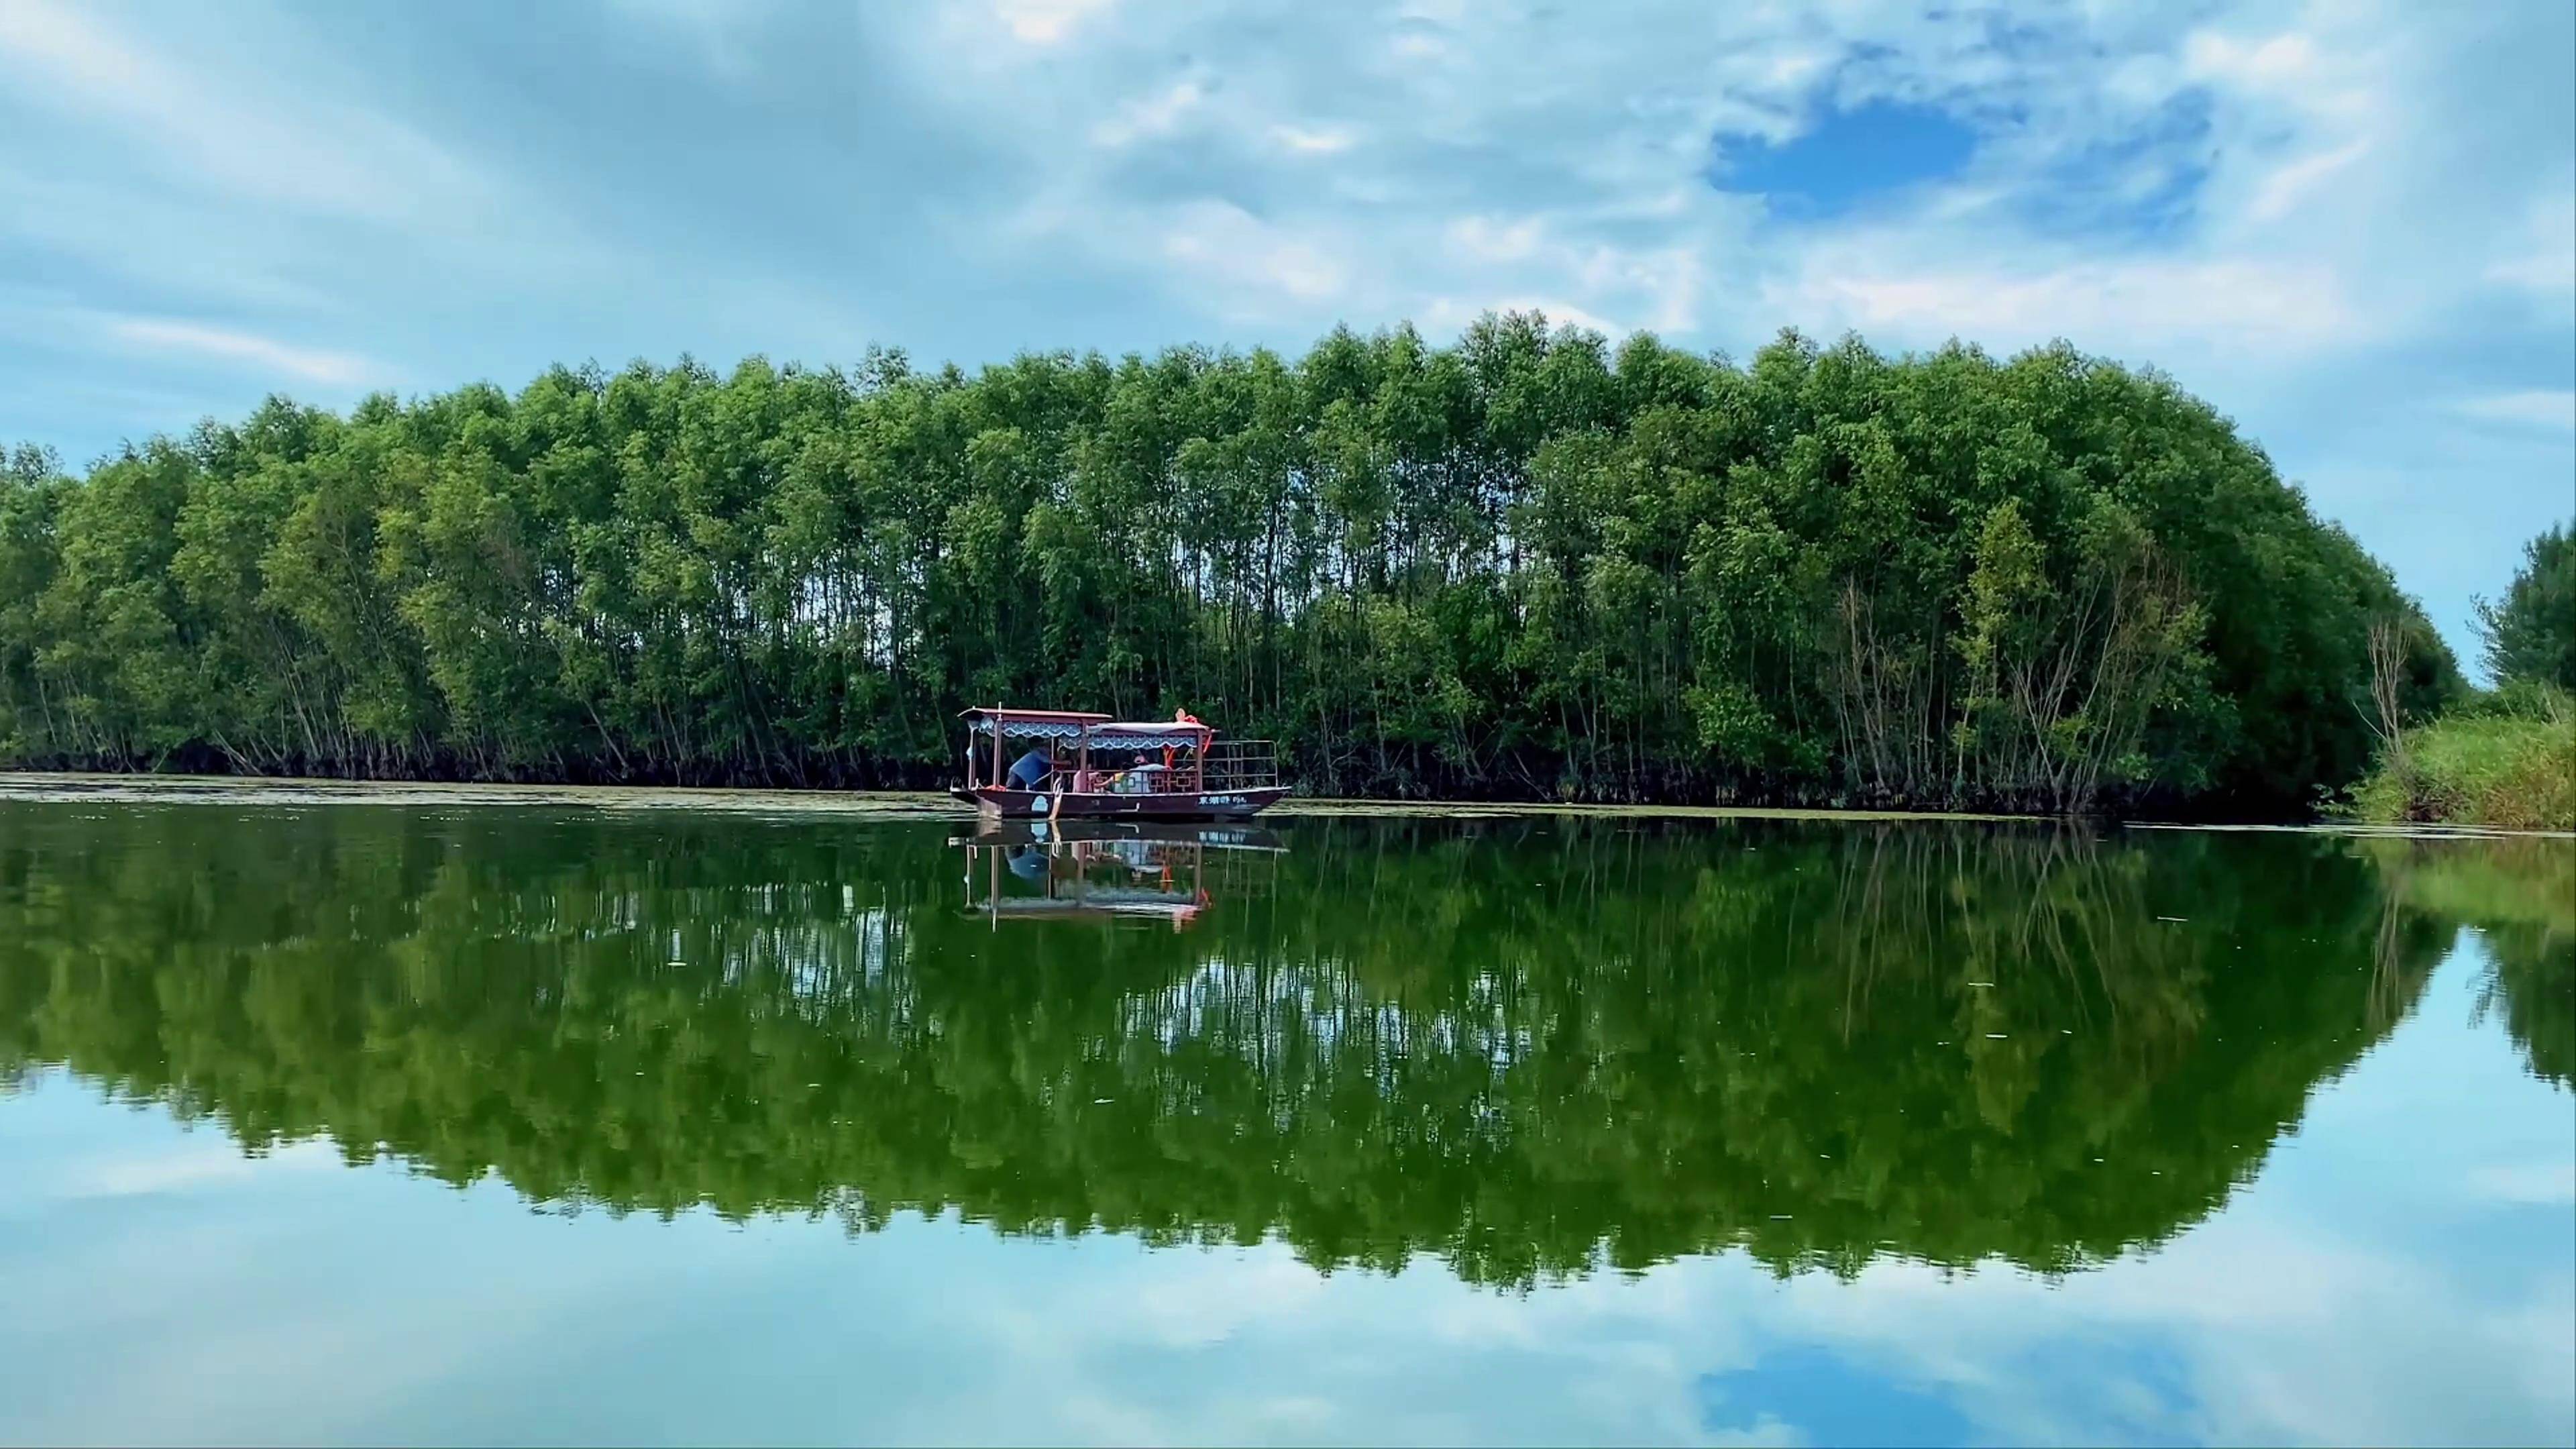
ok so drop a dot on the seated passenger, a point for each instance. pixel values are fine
(1029, 771)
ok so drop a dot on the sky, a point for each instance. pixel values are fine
(2350, 226)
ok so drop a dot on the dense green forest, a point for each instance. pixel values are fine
(1529, 1047)
(1528, 565)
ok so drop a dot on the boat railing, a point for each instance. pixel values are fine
(1240, 765)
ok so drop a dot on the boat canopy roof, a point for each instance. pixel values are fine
(1151, 734)
(1066, 724)
(1044, 724)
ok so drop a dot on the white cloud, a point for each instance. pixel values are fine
(1656, 288)
(2542, 271)
(263, 140)
(1416, 46)
(1486, 239)
(2097, 304)
(1046, 22)
(1499, 173)
(1665, 282)
(2542, 255)
(1159, 114)
(714, 30)
(2554, 409)
(1254, 264)
(2282, 190)
(171, 335)
(1313, 140)
(2273, 62)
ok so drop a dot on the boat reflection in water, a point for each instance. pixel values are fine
(1098, 870)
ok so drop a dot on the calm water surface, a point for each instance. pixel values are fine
(360, 1123)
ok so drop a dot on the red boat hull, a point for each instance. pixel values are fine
(998, 803)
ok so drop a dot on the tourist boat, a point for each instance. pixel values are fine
(1105, 769)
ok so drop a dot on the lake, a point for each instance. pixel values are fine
(361, 1123)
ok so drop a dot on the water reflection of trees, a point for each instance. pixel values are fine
(2520, 896)
(1530, 1050)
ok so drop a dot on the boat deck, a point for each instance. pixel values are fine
(1000, 802)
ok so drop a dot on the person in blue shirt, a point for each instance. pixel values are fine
(1029, 770)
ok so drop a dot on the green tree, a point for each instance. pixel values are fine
(2531, 636)
(1529, 564)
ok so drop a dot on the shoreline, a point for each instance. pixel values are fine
(43, 787)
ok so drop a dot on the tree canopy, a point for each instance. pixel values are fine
(2531, 636)
(1530, 564)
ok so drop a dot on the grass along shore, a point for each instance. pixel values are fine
(2506, 762)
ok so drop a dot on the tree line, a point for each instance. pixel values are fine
(1532, 1049)
(1528, 565)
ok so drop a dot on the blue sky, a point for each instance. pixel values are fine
(2352, 227)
